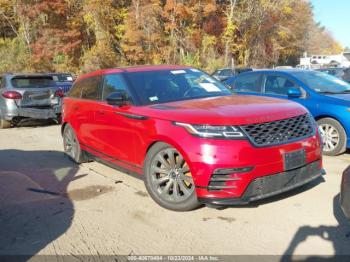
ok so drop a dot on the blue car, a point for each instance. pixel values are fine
(325, 96)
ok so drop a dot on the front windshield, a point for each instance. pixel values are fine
(323, 83)
(161, 86)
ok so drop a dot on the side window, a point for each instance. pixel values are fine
(248, 83)
(91, 88)
(278, 85)
(113, 83)
(75, 91)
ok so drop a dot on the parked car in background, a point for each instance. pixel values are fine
(325, 96)
(345, 193)
(28, 96)
(225, 73)
(192, 139)
(63, 80)
(339, 72)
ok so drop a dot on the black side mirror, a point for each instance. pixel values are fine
(118, 98)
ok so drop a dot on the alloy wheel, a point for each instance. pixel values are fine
(330, 137)
(70, 143)
(170, 176)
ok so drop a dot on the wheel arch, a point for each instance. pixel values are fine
(165, 140)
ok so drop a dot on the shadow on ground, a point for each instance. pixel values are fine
(338, 236)
(34, 208)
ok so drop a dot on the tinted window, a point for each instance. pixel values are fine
(62, 77)
(278, 85)
(113, 83)
(91, 88)
(162, 86)
(75, 91)
(248, 83)
(224, 72)
(322, 83)
(32, 81)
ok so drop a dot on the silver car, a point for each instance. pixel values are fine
(28, 96)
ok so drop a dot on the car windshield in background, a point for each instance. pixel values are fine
(32, 82)
(62, 77)
(163, 86)
(323, 83)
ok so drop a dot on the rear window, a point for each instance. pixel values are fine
(62, 78)
(32, 82)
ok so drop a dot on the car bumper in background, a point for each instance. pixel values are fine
(345, 193)
(35, 113)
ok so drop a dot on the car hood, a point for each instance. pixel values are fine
(226, 110)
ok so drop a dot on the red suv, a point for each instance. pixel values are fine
(191, 138)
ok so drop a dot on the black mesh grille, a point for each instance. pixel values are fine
(281, 131)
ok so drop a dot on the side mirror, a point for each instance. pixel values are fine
(119, 98)
(294, 92)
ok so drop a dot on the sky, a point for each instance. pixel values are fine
(334, 15)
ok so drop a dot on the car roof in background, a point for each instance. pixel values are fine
(131, 69)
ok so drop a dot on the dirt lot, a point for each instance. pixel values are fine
(50, 206)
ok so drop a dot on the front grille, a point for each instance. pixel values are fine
(279, 132)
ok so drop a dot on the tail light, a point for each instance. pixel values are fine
(59, 93)
(12, 95)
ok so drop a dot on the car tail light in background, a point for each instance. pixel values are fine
(59, 93)
(11, 95)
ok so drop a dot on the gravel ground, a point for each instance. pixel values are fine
(50, 206)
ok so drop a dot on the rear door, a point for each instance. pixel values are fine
(37, 90)
(249, 84)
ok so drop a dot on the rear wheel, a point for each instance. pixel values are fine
(168, 179)
(72, 147)
(333, 136)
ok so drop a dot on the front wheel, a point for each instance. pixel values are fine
(168, 179)
(333, 136)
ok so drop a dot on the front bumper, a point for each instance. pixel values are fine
(267, 186)
(345, 193)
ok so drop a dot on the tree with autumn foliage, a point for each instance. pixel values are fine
(84, 35)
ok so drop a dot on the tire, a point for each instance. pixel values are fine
(72, 147)
(168, 179)
(58, 119)
(333, 136)
(4, 123)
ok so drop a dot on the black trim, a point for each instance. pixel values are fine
(132, 116)
(114, 166)
(271, 185)
(111, 157)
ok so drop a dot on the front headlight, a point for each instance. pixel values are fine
(209, 131)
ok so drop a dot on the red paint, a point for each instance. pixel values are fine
(124, 141)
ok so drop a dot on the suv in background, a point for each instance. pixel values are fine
(63, 80)
(189, 136)
(28, 96)
(225, 73)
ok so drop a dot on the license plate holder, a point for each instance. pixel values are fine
(294, 159)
